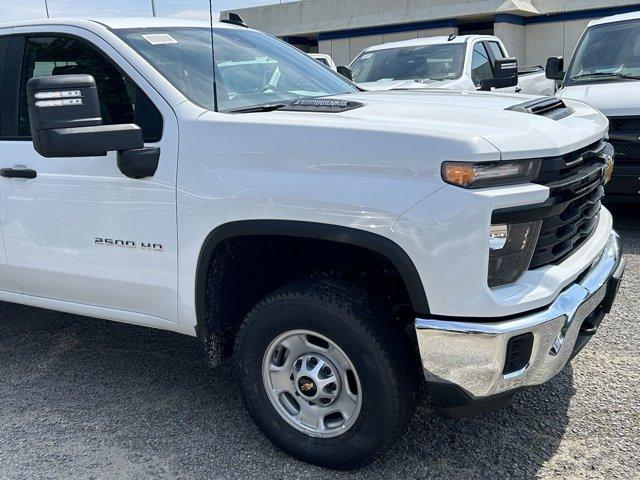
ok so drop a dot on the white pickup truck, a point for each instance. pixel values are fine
(605, 72)
(325, 59)
(341, 245)
(466, 62)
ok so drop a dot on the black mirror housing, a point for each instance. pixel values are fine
(345, 72)
(139, 163)
(555, 68)
(505, 74)
(89, 141)
(65, 119)
(63, 101)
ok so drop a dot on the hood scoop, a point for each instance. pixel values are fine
(322, 105)
(552, 108)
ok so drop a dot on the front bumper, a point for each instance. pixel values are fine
(466, 362)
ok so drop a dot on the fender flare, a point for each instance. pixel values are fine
(320, 231)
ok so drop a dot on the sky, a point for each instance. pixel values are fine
(27, 9)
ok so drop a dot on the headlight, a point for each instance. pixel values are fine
(477, 175)
(511, 248)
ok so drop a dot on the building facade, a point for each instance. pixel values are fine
(531, 29)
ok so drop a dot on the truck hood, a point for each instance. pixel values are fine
(443, 113)
(442, 124)
(403, 85)
(620, 98)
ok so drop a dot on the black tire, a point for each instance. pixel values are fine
(378, 349)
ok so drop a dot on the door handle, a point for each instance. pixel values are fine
(18, 173)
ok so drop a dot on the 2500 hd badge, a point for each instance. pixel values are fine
(110, 242)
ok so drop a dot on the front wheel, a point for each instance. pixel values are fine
(325, 374)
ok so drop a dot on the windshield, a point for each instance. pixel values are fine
(426, 62)
(607, 52)
(252, 69)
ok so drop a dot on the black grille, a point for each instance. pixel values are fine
(570, 214)
(625, 124)
(565, 231)
(574, 203)
(558, 169)
(627, 152)
(624, 133)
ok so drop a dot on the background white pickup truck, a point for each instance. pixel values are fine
(341, 245)
(605, 72)
(325, 60)
(455, 63)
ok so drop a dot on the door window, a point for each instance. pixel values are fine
(4, 45)
(121, 101)
(496, 51)
(480, 64)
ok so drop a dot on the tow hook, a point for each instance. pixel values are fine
(591, 323)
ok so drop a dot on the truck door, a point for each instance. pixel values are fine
(80, 231)
(7, 284)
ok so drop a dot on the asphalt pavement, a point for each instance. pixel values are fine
(88, 399)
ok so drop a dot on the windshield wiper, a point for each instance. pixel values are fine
(605, 74)
(270, 107)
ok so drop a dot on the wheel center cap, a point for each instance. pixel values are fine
(316, 379)
(307, 387)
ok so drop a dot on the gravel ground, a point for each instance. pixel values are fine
(84, 398)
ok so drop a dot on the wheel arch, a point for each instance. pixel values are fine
(372, 242)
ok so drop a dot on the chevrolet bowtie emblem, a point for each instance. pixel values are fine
(305, 387)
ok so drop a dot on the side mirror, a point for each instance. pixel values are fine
(555, 68)
(505, 74)
(345, 72)
(65, 119)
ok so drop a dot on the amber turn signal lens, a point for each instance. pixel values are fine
(489, 174)
(459, 174)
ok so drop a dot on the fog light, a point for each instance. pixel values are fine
(498, 236)
(511, 248)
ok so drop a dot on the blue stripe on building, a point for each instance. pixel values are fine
(581, 15)
(510, 18)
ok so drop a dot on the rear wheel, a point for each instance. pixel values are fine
(325, 374)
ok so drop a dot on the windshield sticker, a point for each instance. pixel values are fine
(366, 55)
(159, 38)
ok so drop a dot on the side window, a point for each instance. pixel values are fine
(4, 45)
(121, 101)
(496, 50)
(480, 64)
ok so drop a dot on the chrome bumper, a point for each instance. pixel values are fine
(472, 355)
